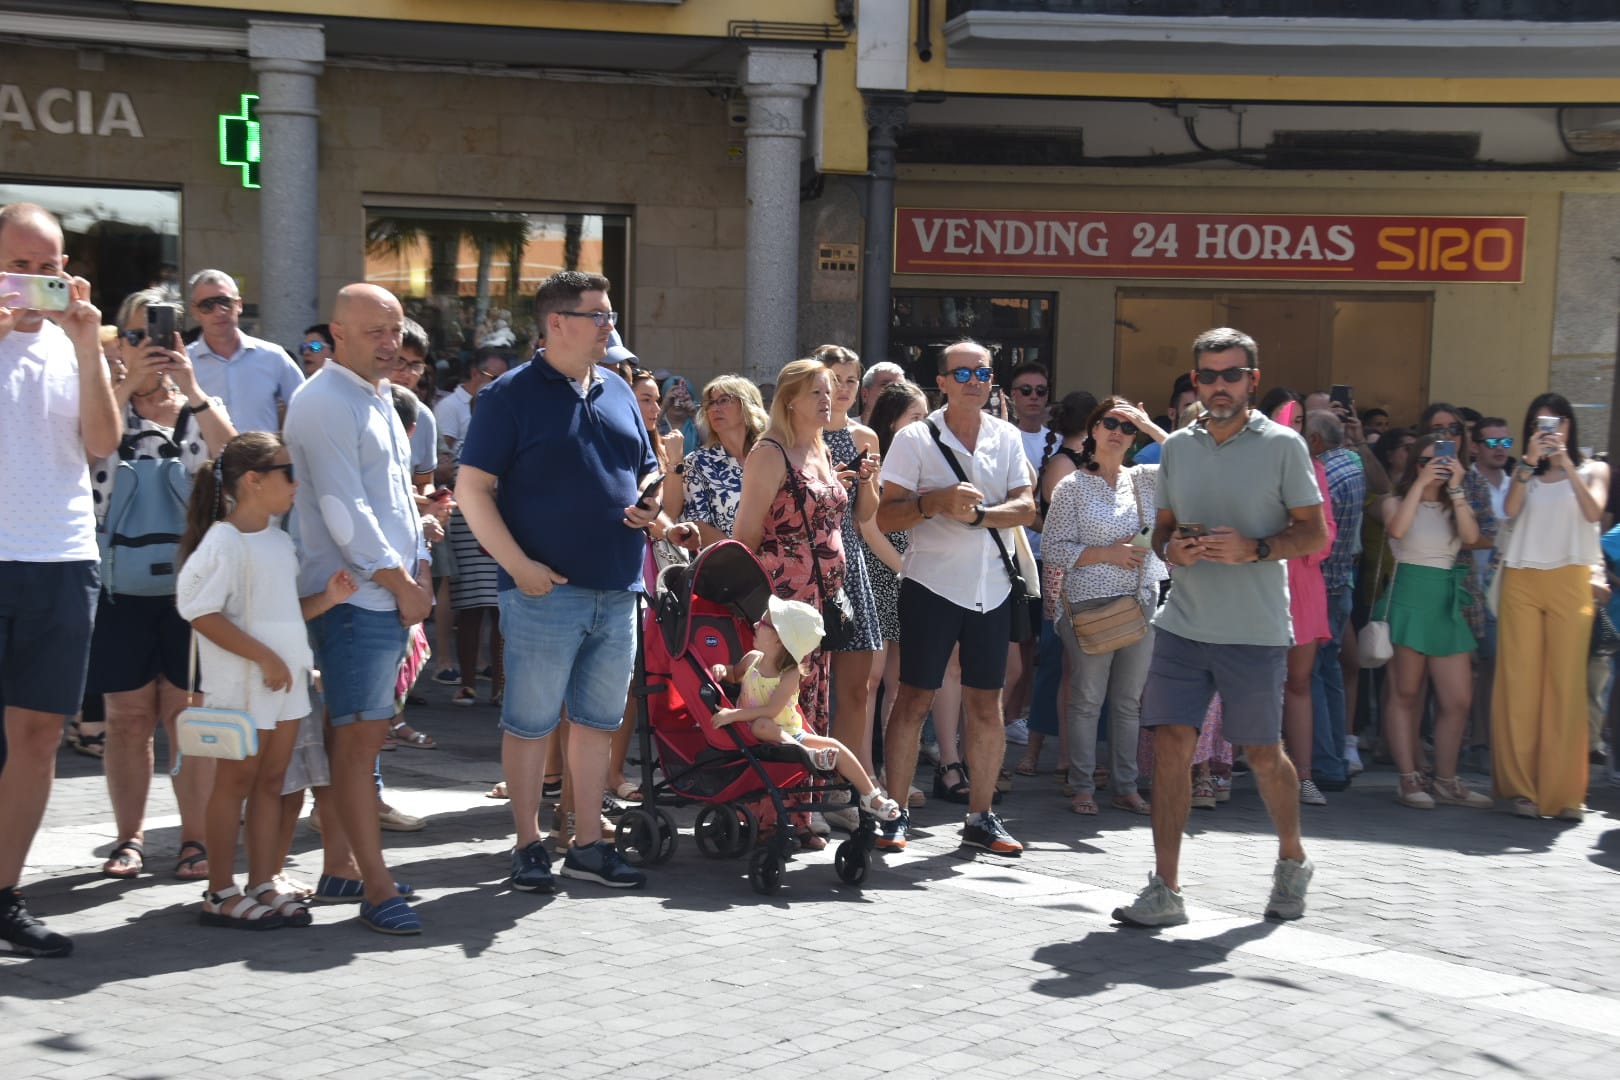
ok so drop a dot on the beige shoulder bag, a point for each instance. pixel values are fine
(1105, 626)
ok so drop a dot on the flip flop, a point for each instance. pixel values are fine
(1084, 806)
(186, 868)
(125, 861)
(1026, 768)
(628, 791)
(1133, 804)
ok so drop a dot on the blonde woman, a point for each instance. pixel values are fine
(731, 418)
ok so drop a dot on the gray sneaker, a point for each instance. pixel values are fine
(1157, 905)
(1288, 884)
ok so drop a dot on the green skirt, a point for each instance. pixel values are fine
(1425, 610)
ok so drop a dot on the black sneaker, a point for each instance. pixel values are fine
(26, 934)
(601, 862)
(986, 831)
(531, 869)
(893, 836)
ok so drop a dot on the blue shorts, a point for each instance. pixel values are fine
(358, 652)
(573, 647)
(46, 614)
(1185, 674)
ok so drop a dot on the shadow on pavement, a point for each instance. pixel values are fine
(1104, 959)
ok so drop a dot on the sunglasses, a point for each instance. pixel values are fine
(312, 347)
(1114, 423)
(286, 468)
(213, 303)
(1031, 391)
(1208, 376)
(1505, 443)
(967, 374)
(1453, 429)
(134, 337)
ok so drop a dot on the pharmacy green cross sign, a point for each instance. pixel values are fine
(239, 140)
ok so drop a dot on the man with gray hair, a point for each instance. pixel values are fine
(1347, 497)
(878, 377)
(255, 378)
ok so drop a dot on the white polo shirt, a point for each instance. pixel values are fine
(453, 412)
(44, 477)
(955, 561)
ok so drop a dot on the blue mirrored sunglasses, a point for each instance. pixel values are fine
(968, 374)
(1504, 443)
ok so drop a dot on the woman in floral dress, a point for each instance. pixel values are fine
(731, 418)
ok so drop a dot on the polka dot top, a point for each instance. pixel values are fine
(184, 440)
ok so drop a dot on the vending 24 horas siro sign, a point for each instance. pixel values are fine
(1245, 247)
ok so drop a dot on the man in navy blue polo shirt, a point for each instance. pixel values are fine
(552, 468)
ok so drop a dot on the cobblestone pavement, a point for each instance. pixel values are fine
(1445, 943)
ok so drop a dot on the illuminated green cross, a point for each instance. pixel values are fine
(239, 140)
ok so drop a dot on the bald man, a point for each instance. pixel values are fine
(355, 510)
(56, 411)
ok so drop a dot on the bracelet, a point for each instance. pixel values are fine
(1454, 491)
(978, 515)
(925, 514)
(1522, 477)
(208, 403)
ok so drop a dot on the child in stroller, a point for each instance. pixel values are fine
(769, 701)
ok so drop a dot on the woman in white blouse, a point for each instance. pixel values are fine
(1544, 618)
(1096, 512)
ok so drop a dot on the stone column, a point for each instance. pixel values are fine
(776, 82)
(288, 58)
(885, 117)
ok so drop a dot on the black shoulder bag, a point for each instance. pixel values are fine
(837, 616)
(1023, 627)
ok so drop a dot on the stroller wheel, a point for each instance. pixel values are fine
(747, 831)
(716, 831)
(765, 872)
(852, 862)
(669, 836)
(637, 837)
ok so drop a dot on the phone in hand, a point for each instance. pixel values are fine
(855, 462)
(1186, 530)
(649, 492)
(1143, 539)
(37, 292)
(160, 321)
(1545, 425)
(1340, 394)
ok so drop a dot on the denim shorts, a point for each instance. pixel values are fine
(1186, 674)
(46, 614)
(358, 652)
(573, 647)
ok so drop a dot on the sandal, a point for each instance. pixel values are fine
(186, 868)
(125, 861)
(244, 915)
(1084, 805)
(90, 744)
(416, 738)
(497, 792)
(298, 890)
(1027, 767)
(291, 909)
(957, 792)
(1132, 804)
(880, 805)
(628, 791)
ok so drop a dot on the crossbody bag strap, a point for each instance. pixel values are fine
(956, 467)
(1141, 521)
(804, 514)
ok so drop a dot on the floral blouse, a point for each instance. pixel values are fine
(1085, 512)
(713, 487)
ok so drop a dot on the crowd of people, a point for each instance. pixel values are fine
(1262, 581)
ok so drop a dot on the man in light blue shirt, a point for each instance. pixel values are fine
(255, 378)
(355, 511)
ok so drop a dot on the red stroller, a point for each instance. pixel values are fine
(703, 615)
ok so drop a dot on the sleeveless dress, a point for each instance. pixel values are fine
(857, 582)
(757, 688)
(886, 586)
(784, 552)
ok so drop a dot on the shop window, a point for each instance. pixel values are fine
(469, 276)
(120, 239)
(1015, 327)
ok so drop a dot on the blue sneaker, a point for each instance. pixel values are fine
(392, 916)
(332, 889)
(893, 836)
(531, 869)
(601, 862)
(448, 676)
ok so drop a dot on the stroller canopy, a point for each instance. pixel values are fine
(725, 573)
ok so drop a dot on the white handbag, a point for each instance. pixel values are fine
(200, 731)
(1373, 642)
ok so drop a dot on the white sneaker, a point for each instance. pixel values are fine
(1352, 757)
(1310, 794)
(1288, 884)
(1018, 732)
(1157, 905)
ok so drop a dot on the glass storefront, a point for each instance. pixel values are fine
(120, 239)
(1016, 327)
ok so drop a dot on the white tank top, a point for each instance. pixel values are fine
(1549, 531)
(1431, 540)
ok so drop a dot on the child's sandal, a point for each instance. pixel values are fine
(245, 915)
(290, 908)
(825, 759)
(880, 805)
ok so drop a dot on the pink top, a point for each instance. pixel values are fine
(1307, 596)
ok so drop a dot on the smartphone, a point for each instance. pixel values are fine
(1546, 425)
(1445, 448)
(38, 293)
(1340, 394)
(650, 491)
(160, 320)
(992, 404)
(1143, 539)
(440, 494)
(855, 462)
(1186, 530)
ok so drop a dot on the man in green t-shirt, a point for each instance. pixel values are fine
(1237, 495)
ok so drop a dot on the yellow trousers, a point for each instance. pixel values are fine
(1538, 703)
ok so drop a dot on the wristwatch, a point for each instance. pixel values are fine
(1262, 551)
(978, 515)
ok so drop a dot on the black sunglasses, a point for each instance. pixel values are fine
(213, 302)
(1031, 391)
(1503, 443)
(1114, 423)
(286, 468)
(966, 375)
(1207, 376)
(1454, 429)
(134, 337)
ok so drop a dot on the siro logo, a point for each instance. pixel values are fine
(711, 641)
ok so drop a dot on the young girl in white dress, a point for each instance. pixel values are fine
(238, 587)
(769, 703)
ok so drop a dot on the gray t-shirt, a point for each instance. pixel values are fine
(1249, 483)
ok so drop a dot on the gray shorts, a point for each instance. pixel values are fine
(1185, 674)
